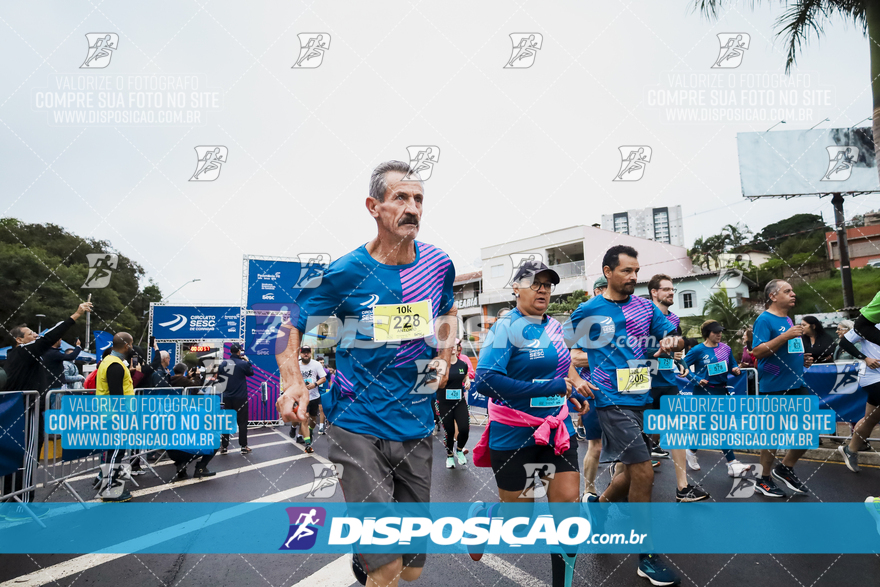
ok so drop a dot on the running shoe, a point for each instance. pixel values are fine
(136, 472)
(20, 513)
(359, 573)
(787, 476)
(737, 469)
(654, 569)
(691, 457)
(450, 463)
(477, 510)
(850, 459)
(655, 463)
(594, 511)
(459, 456)
(309, 448)
(659, 453)
(581, 433)
(321, 428)
(224, 450)
(181, 474)
(767, 487)
(691, 493)
(299, 439)
(246, 450)
(872, 504)
(126, 496)
(199, 473)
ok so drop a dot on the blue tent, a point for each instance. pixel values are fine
(83, 357)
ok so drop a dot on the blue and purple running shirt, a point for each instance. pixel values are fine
(372, 392)
(616, 337)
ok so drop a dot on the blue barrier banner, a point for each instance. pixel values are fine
(440, 527)
(838, 386)
(755, 422)
(12, 439)
(146, 422)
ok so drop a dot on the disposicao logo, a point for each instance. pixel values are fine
(178, 322)
(304, 524)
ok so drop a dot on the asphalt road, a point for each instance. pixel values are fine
(277, 465)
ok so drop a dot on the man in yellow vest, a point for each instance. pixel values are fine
(114, 378)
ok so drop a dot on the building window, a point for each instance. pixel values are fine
(661, 225)
(687, 299)
(621, 223)
(497, 271)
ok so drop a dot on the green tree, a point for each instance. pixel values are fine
(42, 270)
(733, 318)
(735, 235)
(568, 304)
(804, 18)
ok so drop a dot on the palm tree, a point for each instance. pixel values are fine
(803, 17)
(735, 235)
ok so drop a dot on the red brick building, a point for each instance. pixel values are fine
(864, 245)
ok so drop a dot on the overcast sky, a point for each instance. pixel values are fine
(522, 150)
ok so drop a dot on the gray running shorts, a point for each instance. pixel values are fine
(383, 471)
(622, 436)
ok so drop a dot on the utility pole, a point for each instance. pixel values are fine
(843, 251)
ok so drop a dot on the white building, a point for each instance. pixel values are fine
(575, 253)
(663, 225)
(692, 291)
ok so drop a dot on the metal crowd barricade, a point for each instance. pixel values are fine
(77, 463)
(754, 378)
(14, 440)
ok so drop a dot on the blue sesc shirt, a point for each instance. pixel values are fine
(524, 349)
(372, 391)
(710, 363)
(784, 369)
(618, 337)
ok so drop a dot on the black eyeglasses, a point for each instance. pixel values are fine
(536, 285)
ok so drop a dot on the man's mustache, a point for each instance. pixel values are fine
(408, 219)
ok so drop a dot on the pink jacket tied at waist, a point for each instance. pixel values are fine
(511, 417)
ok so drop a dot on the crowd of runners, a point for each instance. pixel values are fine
(400, 377)
(541, 377)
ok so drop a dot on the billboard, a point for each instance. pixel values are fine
(807, 162)
(271, 280)
(203, 322)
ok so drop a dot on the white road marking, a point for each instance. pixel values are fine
(228, 473)
(508, 570)
(83, 563)
(336, 574)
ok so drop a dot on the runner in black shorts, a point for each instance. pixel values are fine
(524, 369)
(453, 408)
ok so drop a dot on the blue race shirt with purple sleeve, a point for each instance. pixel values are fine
(618, 335)
(663, 375)
(710, 363)
(524, 349)
(784, 369)
(372, 392)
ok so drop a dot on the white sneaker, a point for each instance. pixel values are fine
(691, 457)
(736, 469)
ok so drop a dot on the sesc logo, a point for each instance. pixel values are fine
(304, 524)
